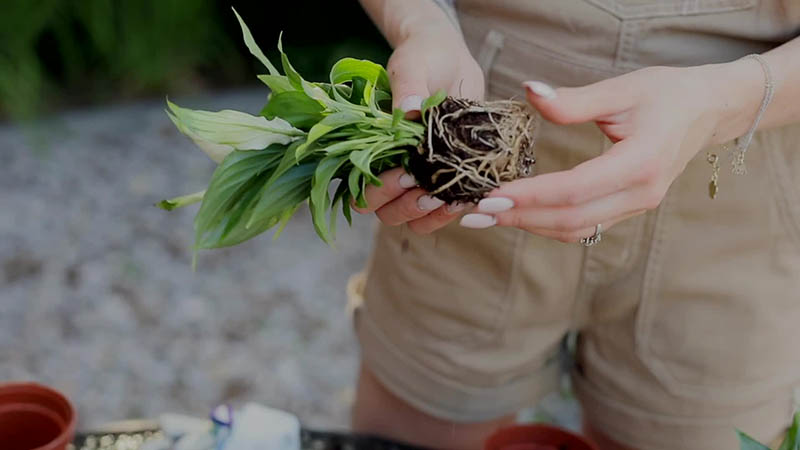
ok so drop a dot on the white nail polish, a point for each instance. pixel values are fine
(406, 181)
(541, 89)
(478, 221)
(428, 203)
(411, 103)
(453, 208)
(495, 204)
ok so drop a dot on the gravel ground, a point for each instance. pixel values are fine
(97, 295)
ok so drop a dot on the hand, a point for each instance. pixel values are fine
(659, 118)
(431, 58)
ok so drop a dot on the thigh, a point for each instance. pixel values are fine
(460, 324)
(700, 339)
(379, 412)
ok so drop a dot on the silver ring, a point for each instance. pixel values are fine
(595, 238)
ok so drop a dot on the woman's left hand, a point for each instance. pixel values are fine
(659, 118)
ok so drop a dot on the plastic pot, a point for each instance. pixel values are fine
(537, 437)
(34, 417)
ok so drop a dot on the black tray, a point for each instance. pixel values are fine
(131, 434)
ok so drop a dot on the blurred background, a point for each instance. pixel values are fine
(97, 295)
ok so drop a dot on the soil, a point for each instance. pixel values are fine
(476, 129)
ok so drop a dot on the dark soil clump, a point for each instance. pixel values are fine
(471, 147)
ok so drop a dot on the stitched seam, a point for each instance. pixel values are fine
(375, 331)
(785, 199)
(649, 281)
(580, 292)
(513, 277)
(571, 60)
(648, 308)
(676, 8)
(628, 34)
(584, 387)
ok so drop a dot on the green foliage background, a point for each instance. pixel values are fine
(57, 53)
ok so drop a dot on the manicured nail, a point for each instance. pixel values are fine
(406, 181)
(495, 204)
(478, 221)
(428, 203)
(455, 207)
(411, 103)
(541, 89)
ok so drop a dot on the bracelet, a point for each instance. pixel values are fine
(742, 143)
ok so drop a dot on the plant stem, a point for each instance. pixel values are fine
(179, 202)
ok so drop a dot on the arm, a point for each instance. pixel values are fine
(398, 20)
(429, 54)
(659, 118)
(784, 62)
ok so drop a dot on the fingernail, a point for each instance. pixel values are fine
(406, 181)
(478, 221)
(541, 89)
(411, 103)
(495, 204)
(455, 207)
(428, 203)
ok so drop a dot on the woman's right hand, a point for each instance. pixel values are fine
(431, 57)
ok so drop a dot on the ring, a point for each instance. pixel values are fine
(595, 238)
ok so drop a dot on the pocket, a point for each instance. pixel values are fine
(451, 286)
(648, 9)
(720, 301)
(784, 162)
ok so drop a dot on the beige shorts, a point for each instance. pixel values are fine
(688, 316)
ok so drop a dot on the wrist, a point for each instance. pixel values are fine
(411, 18)
(737, 91)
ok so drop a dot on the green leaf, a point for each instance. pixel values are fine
(361, 201)
(748, 443)
(357, 93)
(434, 100)
(253, 47)
(354, 183)
(215, 131)
(231, 182)
(372, 102)
(343, 194)
(383, 96)
(277, 83)
(289, 190)
(319, 200)
(792, 439)
(362, 159)
(346, 207)
(284, 220)
(328, 124)
(294, 107)
(346, 69)
(179, 202)
(349, 144)
(288, 160)
(397, 116)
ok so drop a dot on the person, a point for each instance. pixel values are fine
(686, 306)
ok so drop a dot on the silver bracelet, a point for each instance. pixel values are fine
(742, 143)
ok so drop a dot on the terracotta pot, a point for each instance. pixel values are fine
(34, 417)
(536, 437)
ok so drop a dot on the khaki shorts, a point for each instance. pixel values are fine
(688, 315)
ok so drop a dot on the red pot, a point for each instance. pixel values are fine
(34, 417)
(536, 437)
